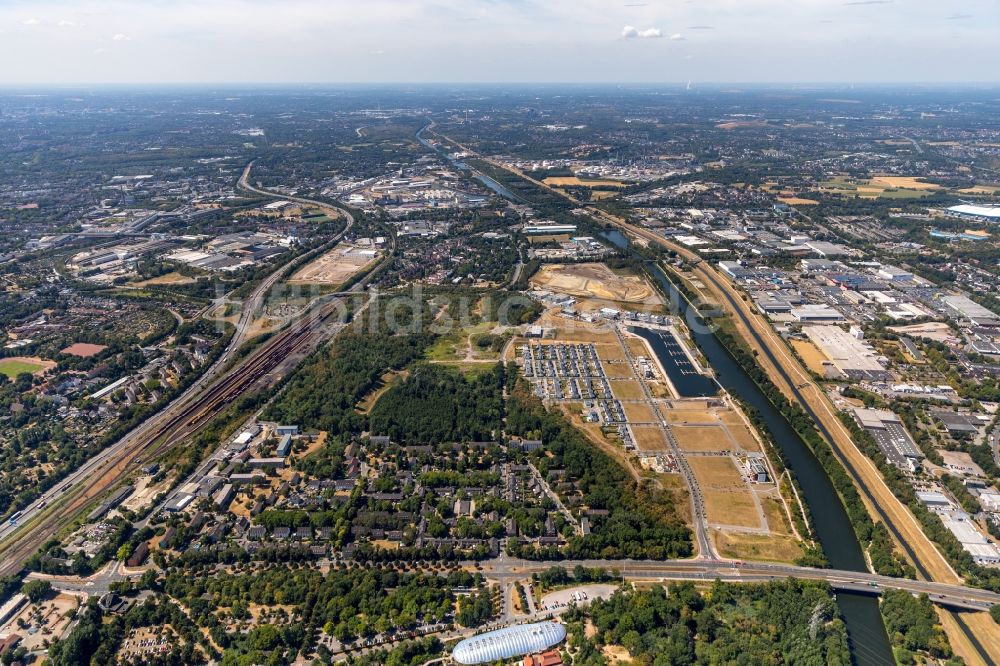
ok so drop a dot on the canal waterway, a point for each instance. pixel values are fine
(869, 642)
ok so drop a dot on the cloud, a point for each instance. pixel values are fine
(65, 24)
(120, 37)
(701, 27)
(677, 37)
(959, 17)
(377, 52)
(31, 21)
(631, 32)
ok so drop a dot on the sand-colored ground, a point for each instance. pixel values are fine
(981, 189)
(903, 182)
(639, 412)
(770, 547)
(744, 437)
(811, 354)
(650, 438)
(12, 366)
(627, 389)
(798, 201)
(932, 330)
(691, 416)
(573, 181)
(731, 507)
(334, 267)
(702, 438)
(595, 281)
(168, 278)
(717, 471)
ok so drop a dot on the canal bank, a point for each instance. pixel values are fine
(869, 642)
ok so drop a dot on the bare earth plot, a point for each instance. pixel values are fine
(596, 281)
(627, 389)
(334, 267)
(812, 356)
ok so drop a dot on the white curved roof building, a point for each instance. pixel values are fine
(508, 642)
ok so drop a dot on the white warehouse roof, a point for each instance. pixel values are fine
(508, 642)
(977, 211)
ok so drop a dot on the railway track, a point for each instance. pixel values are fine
(178, 421)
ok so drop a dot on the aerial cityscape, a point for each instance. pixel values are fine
(495, 370)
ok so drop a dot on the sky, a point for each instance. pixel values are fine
(496, 41)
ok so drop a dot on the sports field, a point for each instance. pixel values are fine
(15, 365)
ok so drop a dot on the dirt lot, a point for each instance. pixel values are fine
(43, 621)
(595, 281)
(334, 267)
(702, 438)
(650, 438)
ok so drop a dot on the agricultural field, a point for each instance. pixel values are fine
(884, 187)
(573, 181)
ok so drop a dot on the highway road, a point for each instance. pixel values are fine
(183, 416)
(505, 569)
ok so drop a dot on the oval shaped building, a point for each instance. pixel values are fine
(508, 642)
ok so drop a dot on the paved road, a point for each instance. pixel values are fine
(953, 596)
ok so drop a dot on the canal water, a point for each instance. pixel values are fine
(683, 375)
(491, 183)
(869, 642)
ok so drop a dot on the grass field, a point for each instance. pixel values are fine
(627, 389)
(757, 546)
(885, 187)
(777, 520)
(717, 471)
(731, 507)
(691, 416)
(649, 438)
(14, 366)
(638, 412)
(812, 356)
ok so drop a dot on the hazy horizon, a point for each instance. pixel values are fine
(428, 42)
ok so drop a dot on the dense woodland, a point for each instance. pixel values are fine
(787, 622)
